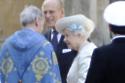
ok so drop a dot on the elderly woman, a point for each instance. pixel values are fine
(77, 29)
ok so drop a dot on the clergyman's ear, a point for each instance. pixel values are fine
(36, 22)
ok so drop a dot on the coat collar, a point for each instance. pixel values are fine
(119, 39)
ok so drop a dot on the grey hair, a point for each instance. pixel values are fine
(29, 14)
(76, 24)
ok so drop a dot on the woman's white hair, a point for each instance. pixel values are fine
(29, 14)
(77, 24)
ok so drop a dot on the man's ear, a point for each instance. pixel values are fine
(62, 11)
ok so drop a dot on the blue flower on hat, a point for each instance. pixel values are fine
(75, 27)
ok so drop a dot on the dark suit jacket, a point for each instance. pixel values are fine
(108, 63)
(64, 59)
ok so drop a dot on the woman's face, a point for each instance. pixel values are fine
(71, 39)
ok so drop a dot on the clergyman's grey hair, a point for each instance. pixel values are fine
(29, 14)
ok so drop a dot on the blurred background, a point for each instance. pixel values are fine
(10, 9)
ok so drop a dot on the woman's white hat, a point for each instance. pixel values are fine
(75, 23)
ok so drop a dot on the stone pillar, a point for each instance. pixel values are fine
(76, 7)
(101, 34)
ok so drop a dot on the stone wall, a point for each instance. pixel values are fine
(9, 15)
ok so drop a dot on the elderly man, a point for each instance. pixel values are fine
(53, 11)
(26, 56)
(108, 62)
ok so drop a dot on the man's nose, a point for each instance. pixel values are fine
(47, 15)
